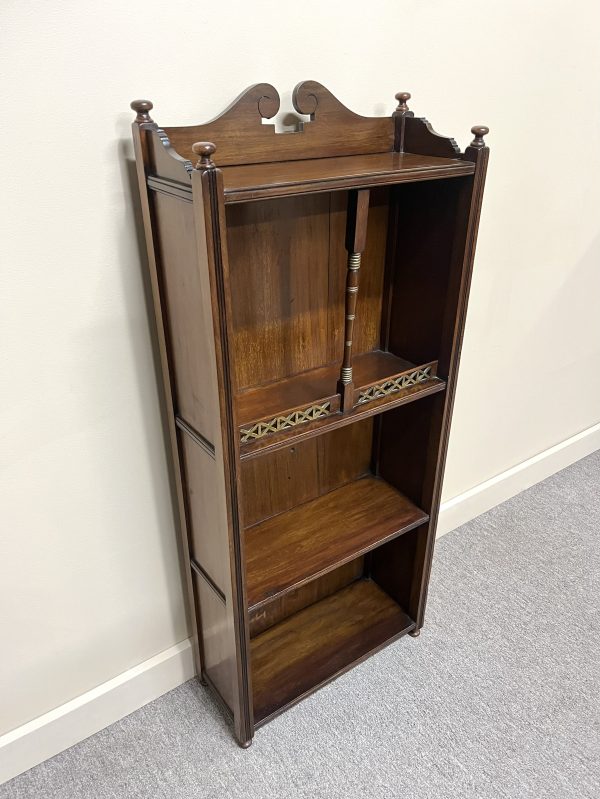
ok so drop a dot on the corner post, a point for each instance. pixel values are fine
(209, 211)
(142, 126)
(454, 327)
(356, 237)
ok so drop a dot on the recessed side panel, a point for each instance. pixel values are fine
(218, 652)
(427, 219)
(403, 448)
(188, 321)
(392, 566)
(207, 514)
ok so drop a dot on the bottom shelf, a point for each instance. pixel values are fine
(311, 647)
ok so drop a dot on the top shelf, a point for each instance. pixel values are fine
(287, 178)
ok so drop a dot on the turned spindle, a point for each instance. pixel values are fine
(142, 108)
(204, 149)
(356, 237)
(479, 131)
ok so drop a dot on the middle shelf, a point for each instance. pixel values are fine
(295, 407)
(287, 550)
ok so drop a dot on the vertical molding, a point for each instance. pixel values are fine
(208, 192)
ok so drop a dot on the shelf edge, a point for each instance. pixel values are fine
(341, 562)
(337, 420)
(273, 191)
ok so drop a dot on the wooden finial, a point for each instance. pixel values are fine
(205, 149)
(479, 131)
(402, 98)
(142, 107)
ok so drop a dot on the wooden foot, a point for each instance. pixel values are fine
(415, 633)
(244, 744)
(202, 681)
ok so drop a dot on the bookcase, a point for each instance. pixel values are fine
(310, 291)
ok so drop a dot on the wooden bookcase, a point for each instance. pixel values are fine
(310, 291)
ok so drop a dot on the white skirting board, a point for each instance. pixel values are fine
(478, 500)
(76, 720)
(46, 736)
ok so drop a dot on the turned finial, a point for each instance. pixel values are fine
(479, 131)
(205, 149)
(402, 98)
(142, 107)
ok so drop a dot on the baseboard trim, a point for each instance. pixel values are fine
(478, 500)
(46, 736)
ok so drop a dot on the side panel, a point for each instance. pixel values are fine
(443, 262)
(188, 320)
(189, 316)
(143, 129)
(218, 659)
(207, 518)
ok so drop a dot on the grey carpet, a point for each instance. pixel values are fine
(499, 697)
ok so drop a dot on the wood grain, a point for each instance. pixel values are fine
(279, 261)
(315, 385)
(218, 655)
(207, 517)
(188, 317)
(302, 432)
(242, 137)
(311, 539)
(294, 475)
(284, 178)
(313, 646)
(284, 606)
(428, 220)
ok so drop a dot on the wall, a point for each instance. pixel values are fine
(89, 574)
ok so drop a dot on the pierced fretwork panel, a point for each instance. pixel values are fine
(394, 385)
(265, 428)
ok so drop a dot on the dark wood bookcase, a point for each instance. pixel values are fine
(310, 291)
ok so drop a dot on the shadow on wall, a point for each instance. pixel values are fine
(134, 223)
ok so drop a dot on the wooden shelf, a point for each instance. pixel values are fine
(301, 544)
(310, 399)
(283, 178)
(299, 654)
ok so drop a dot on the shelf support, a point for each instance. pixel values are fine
(356, 237)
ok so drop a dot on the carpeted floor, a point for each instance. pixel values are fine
(499, 697)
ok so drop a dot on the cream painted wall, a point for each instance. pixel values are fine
(89, 574)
